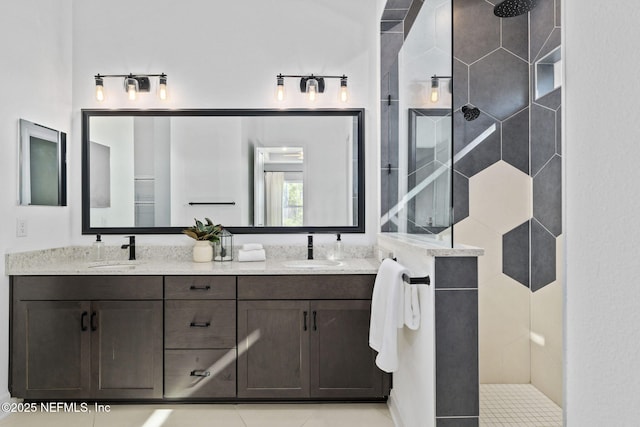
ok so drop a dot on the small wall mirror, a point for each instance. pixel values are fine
(43, 171)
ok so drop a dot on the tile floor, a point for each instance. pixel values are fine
(517, 405)
(500, 405)
(242, 415)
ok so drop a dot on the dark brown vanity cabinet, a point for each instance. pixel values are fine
(200, 337)
(306, 337)
(86, 337)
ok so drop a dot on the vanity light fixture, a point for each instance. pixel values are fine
(280, 93)
(133, 84)
(312, 85)
(434, 95)
(99, 88)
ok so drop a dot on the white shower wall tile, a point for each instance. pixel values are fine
(504, 312)
(478, 234)
(500, 197)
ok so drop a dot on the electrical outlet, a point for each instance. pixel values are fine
(21, 227)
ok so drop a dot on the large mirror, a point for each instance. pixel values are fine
(43, 171)
(253, 171)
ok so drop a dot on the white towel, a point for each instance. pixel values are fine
(387, 314)
(255, 255)
(411, 307)
(252, 246)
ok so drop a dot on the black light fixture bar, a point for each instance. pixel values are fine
(312, 84)
(141, 82)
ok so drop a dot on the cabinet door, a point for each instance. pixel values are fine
(341, 362)
(273, 349)
(51, 349)
(126, 347)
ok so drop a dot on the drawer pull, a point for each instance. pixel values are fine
(315, 323)
(304, 313)
(197, 373)
(200, 324)
(200, 288)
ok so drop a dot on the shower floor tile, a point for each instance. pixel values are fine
(517, 405)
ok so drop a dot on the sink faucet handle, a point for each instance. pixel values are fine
(132, 247)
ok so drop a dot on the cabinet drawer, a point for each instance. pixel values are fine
(199, 373)
(86, 288)
(322, 286)
(200, 324)
(200, 287)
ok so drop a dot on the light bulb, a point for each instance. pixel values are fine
(435, 90)
(312, 88)
(99, 89)
(344, 92)
(280, 94)
(312, 93)
(131, 90)
(162, 87)
(131, 86)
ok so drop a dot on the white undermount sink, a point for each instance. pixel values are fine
(313, 263)
(113, 265)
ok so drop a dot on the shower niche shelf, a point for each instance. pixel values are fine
(548, 73)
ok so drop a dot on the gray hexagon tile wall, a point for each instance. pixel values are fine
(493, 70)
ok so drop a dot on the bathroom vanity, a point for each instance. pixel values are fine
(213, 335)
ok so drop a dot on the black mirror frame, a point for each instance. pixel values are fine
(355, 112)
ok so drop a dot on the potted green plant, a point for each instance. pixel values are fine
(204, 234)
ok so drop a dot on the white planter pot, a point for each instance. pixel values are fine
(202, 251)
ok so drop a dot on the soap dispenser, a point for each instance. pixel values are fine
(337, 251)
(98, 249)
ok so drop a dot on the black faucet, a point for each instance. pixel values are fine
(132, 248)
(310, 246)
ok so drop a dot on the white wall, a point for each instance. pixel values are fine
(602, 337)
(119, 139)
(412, 400)
(221, 54)
(36, 76)
(201, 178)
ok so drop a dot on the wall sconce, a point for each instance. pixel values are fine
(434, 95)
(133, 84)
(312, 85)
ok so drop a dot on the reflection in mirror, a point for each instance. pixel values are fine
(42, 165)
(279, 186)
(286, 171)
(429, 160)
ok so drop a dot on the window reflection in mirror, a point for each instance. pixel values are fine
(42, 165)
(279, 176)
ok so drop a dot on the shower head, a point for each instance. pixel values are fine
(470, 113)
(511, 8)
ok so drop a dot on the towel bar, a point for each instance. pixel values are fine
(416, 280)
(426, 280)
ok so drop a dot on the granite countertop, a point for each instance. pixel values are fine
(160, 267)
(177, 260)
(168, 260)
